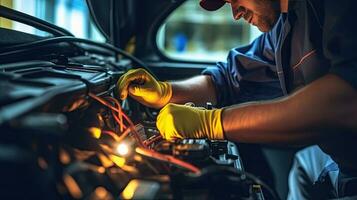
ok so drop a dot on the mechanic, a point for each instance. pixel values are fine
(295, 85)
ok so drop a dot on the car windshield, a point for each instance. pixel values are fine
(72, 15)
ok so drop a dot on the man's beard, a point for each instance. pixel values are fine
(266, 22)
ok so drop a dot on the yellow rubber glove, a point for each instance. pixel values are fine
(143, 87)
(181, 121)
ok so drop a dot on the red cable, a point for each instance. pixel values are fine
(152, 140)
(102, 101)
(118, 118)
(112, 134)
(118, 110)
(143, 150)
(122, 126)
(123, 135)
(109, 106)
(132, 126)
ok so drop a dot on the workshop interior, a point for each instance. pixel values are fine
(65, 133)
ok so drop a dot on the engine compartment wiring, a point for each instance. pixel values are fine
(142, 147)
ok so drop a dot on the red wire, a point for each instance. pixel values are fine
(122, 126)
(152, 140)
(132, 126)
(118, 118)
(111, 107)
(102, 101)
(123, 135)
(118, 110)
(112, 134)
(143, 149)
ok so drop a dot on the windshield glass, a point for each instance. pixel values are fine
(191, 33)
(72, 15)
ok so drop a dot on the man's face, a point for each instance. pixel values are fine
(260, 13)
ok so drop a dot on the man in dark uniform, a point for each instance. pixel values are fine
(299, 79)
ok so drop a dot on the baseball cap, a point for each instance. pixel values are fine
(212, 5)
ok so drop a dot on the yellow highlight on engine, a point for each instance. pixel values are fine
(119, 161)
(129, 191)
(95, 132)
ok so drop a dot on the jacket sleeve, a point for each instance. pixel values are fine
(248, 73)
(339, 38)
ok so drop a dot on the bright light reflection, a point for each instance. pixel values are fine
(129, 191)
(122, 149)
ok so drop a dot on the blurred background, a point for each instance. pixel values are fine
(72, 15)
(189, 33)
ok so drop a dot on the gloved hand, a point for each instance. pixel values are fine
(181, 121)
(144, 88)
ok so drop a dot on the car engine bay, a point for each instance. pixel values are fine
(66, 135)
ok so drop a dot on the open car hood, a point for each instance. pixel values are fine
(120, 20)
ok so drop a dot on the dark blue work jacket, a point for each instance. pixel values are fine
(303, 46)
(314, 38)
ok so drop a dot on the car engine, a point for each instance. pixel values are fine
(66, 135)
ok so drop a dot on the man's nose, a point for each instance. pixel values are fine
(238, 12)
